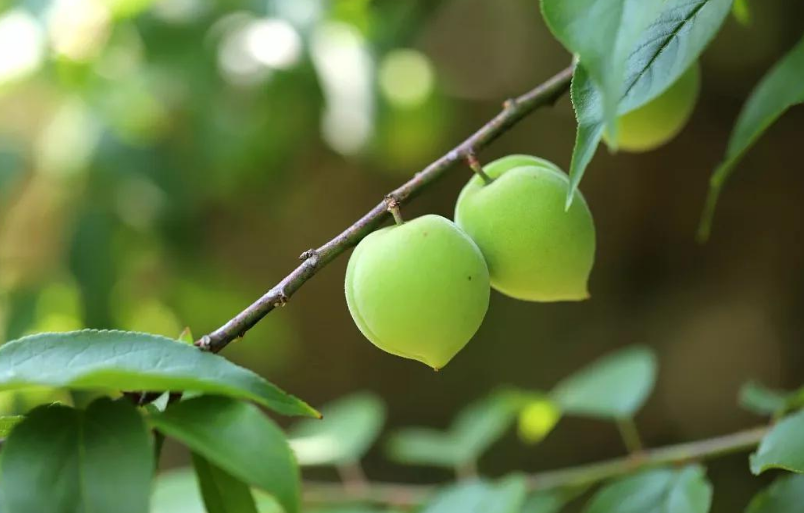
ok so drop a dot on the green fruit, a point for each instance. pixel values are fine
(535, 249)
(661, 119)
(418, 290)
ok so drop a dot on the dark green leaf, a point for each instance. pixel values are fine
(602, 33)
(781, 88)
(7, 424)
(133, 361)
(177, 491)
(785, 495)
(474, 430)
(237, 437)
(615, 386)
(504, 496)
(349, 428)
(684, 490)
(665, 50)
(222, 492)
(95, 460)
(782, 448)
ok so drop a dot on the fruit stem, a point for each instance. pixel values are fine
(471, 159)
(393, 208)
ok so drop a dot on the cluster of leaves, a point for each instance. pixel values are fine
(630, 51)
(103, 457)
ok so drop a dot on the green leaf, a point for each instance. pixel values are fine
(537, 418)
(349, 428)
(478, 496)
(7, 423)
(782, 447)
(100, 459)
(615, 386)
(602, 33)
(222, 492)
(785, 495)
(550, 501)
(237, 437)
(474, 430)
(177, 491)
(757, 398)
(684, 490)
(123, 360)
(781, 88)
(664, 51)
(186, 336)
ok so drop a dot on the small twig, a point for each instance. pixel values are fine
(404, 495)
(514, 111)
(471, 159)
(353, 478)
(630, 435)
(466, 471)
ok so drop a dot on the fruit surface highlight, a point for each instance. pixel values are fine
(418, 290)
(662, 118)
(535, 249)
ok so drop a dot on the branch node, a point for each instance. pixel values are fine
(307, 255)
(509, 104)
(281, 300)
(204, 343)
(392, 205)
(471, 159)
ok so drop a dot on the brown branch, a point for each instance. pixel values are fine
(314, 260)
(404, 495)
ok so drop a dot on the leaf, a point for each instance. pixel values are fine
(781, 88)
(124, 360)
(7, 423)
(478, 496)
(177, 491)
(100, 459)
(602, 33)
(186, 336)
(757, 398)
(222, 493)
(741, 12)
(615, 386)
(684, 490)
(785, 495)
(238, 438)
(664, 51)
(550, 501)
(474, 430)
(782, 447)
(349, 428)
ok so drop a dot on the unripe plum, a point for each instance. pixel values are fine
(535, 249)
(418, 290)
(662, 118)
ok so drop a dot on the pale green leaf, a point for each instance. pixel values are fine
(100, 459)
(349, 428)
(474, 430)
(478, 496)
(683, 490)
(222, 492)
(759, 399)
(782, 447)
(785, 495)
(237, 437)
(781, 88)
(550, 501)
(123, 360)
(615, 386)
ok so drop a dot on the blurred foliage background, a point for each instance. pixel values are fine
(164, 162)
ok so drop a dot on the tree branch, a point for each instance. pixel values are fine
(314, 260)
(584, 475)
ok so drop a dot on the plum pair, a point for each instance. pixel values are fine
(421, 289)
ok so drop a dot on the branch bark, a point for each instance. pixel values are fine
(514, 110)
(404, 495)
